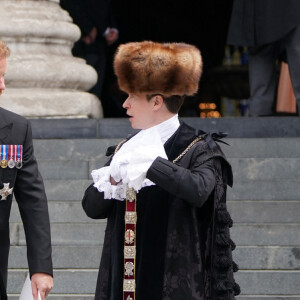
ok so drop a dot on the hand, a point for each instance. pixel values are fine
(41, 282)
(91, 37)
(111, 36)
(113, 182)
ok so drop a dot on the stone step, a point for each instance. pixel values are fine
(259, 127)
(264, 190)
(59, 212)
(93, 233)
(65, 234)
(262, 147)
(84, 282)
(88, 257)
(64, 257)
(69, 281)
(264, 211)
(81, 149)
(241, 211)
(243, 168)
(68, 169)
(74, 149)
(266, 234)
(275, 190)
(265, 168)
(267, 258)
(66, 189)
(269, 282)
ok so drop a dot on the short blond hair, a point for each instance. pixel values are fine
(4, 50)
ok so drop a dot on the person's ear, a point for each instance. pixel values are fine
(157, 102)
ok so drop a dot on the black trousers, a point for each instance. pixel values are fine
(3, 295)
(263, 75)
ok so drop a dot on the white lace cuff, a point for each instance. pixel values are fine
(101, 178)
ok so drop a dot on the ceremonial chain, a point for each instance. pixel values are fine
(187, 149)
(119, 145)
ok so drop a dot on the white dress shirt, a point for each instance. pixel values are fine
(130, 164)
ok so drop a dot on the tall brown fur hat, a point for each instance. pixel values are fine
(149, 67)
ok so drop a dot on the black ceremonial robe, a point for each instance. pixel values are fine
(29, 192)
(182, 234)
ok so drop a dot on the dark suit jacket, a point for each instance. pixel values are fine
(28, 189)
(259, 22)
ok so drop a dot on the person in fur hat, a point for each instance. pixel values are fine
(163, 190)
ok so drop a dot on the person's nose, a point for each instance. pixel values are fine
(2, 84)
(126, 104)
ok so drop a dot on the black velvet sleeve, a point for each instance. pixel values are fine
(193, 185)
(30, 194)
(94, 204)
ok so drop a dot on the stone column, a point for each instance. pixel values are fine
(43, 78)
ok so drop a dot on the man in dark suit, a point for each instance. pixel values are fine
(19, 175)
(271, 29)
(98, 30)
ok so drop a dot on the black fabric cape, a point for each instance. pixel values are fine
(182, 235)
(29, 192)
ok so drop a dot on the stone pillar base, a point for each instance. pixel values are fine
(43, 78)
(51, 103)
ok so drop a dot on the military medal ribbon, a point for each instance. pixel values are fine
(4, 149)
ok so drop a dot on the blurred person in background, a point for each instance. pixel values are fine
(271, 29)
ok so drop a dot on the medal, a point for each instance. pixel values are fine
(3, 163)
(19, 162)
(5, 191)
(3, 156)
(11, 162)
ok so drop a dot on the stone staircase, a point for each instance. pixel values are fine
(264, 202)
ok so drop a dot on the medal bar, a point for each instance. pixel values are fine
(11, 156)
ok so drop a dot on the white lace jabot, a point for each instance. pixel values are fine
(131, 163)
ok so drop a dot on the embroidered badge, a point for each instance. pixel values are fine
(130, 217)
(130, 194)
(128, 285)
(129, 252)
(129, 236)
(129, 267)
(5, 191)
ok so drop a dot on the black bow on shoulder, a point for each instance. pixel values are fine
(213, 137)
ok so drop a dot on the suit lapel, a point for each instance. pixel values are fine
(5, 129)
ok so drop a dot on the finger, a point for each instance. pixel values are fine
(42, 295)
(34, 291)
